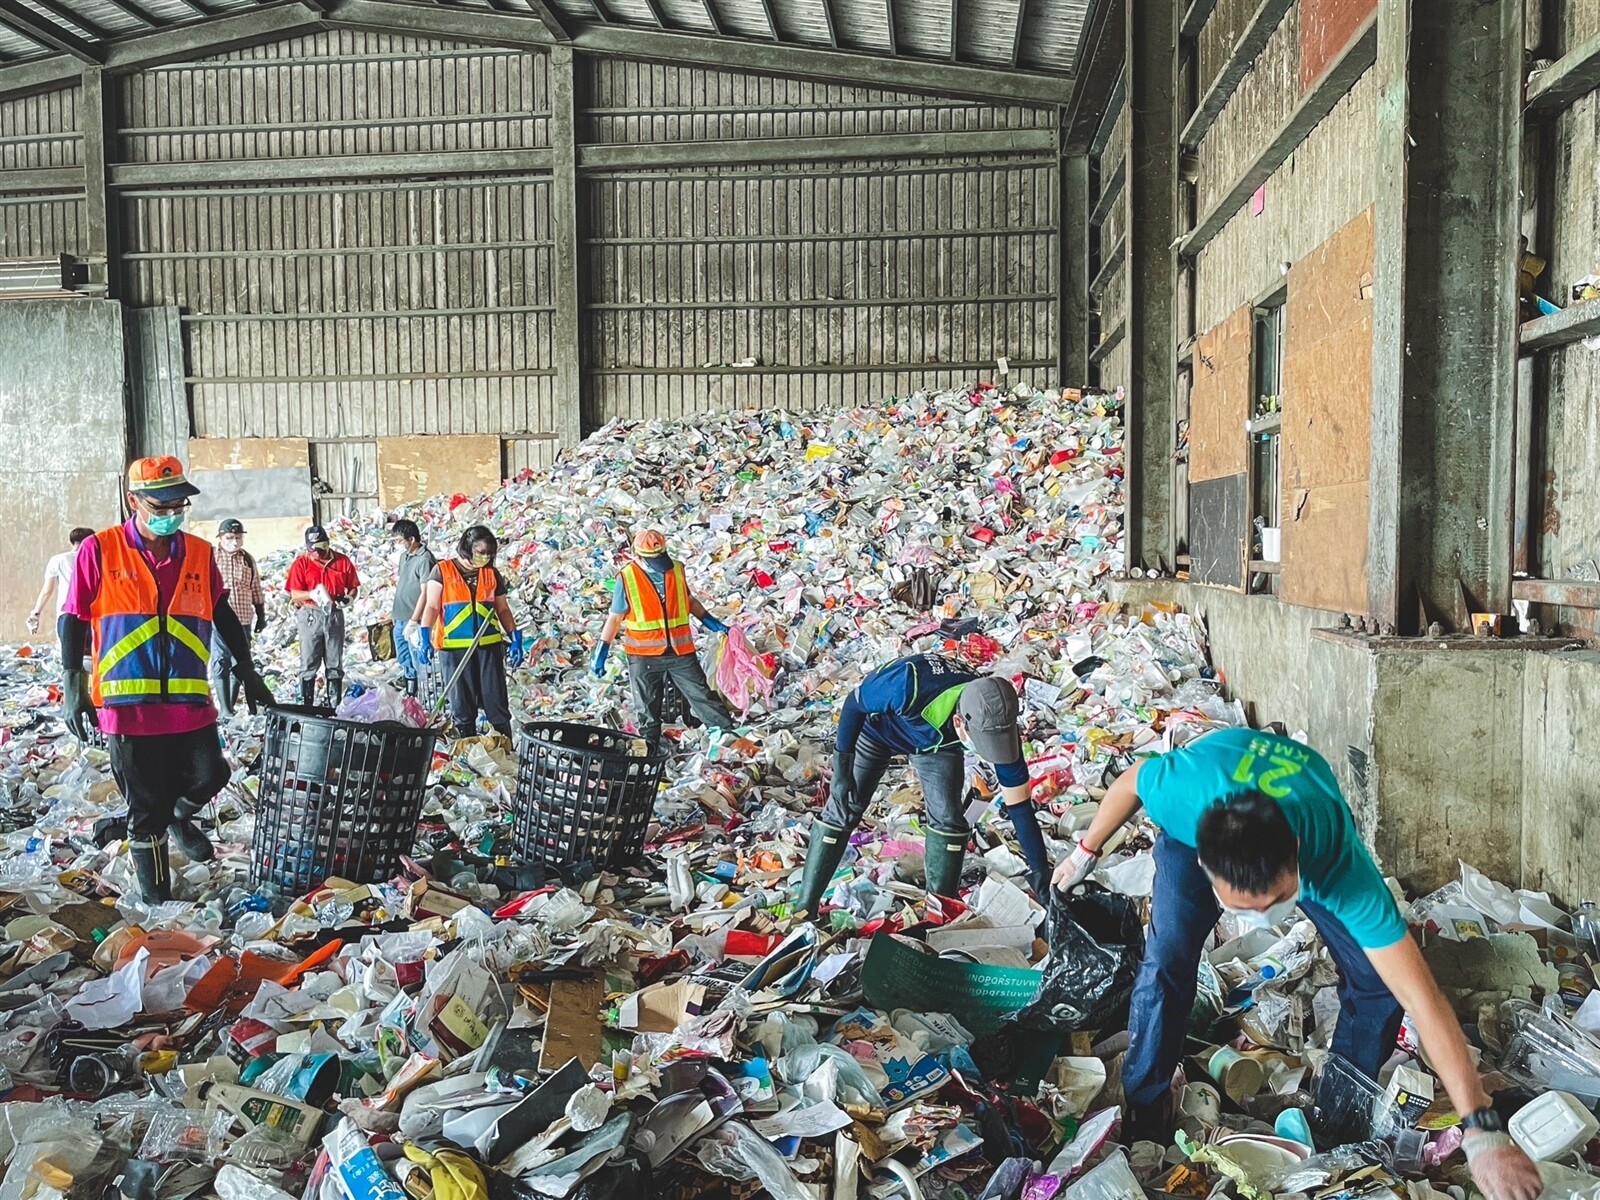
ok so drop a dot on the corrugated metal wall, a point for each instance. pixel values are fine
(41, 131)
(343, 309)
(837, 282)
(346, 311)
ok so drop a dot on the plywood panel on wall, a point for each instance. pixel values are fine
(414, 468)
(1326, 27)
(1327, 418)
(1220, 402)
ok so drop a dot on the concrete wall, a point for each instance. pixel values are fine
(63, 434)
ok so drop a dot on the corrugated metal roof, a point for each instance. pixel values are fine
(986, 32)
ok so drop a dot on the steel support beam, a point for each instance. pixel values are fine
(841, 66)
(745, 151)
(300, 170)
(38, 75)
(571, 403)
(45, 32)
(1444, 319)
(1074, 338)
(214, 36)
(1566, 81)
(1100, 53)
(97, 120)
(1151, 172)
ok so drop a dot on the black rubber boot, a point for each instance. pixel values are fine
(191, 839)
(153, 870)
(335, 691)
(944, 853)
(828, 844)
(225, 695)
(308, 692)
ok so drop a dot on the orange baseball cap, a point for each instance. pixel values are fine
(159, 478)
(650, 542)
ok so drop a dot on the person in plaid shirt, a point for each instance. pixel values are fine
(242, 578)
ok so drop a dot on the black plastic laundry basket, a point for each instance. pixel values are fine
(582, 795)
(337, 798)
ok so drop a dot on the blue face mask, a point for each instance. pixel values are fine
(165, 526)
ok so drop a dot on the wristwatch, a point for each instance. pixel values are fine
(1484, 1120)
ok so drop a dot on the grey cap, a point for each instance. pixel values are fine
(988, 709)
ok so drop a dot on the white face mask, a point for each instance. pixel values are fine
(232, 543)
(1252, 918)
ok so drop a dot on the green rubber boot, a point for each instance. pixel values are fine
(944, 853)
(828, 844)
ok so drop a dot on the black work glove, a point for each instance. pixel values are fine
(256, 692)
(77, 707)
(843, 792)
(261, 619)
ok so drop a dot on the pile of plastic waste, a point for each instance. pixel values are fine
(483, 1025)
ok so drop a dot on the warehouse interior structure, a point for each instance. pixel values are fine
(356, 252)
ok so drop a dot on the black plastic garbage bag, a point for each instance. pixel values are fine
(1096, 942)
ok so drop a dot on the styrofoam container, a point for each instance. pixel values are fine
(1554, 1124)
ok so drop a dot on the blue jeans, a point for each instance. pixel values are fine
(403, 653)
(1183, 909)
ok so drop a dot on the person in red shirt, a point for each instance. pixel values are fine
(143, 600)
(321, 584)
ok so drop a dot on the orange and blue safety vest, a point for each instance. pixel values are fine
(462, 608)
(656, 620)
(146, 649)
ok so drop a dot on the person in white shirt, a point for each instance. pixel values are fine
(57, 575)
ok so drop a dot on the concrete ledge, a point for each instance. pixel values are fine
(1460, 642)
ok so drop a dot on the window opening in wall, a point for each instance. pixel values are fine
(1264, 430)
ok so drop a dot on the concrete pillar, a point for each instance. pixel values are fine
(1449, 134)
(571, 407)
(1151, 164)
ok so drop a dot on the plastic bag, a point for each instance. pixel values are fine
(740, 677)
(1096, 942)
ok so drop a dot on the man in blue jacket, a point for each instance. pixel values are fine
(930, 710)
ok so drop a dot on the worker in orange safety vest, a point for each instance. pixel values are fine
(651, 607)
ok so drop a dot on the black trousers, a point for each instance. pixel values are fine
(481, 685)
(648, 676)
(166, 777)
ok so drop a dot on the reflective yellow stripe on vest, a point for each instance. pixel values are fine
(128, 644)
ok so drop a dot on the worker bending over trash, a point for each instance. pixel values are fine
(651, 606)
(465, 605)
(1255, 824)
(929, 709)
(144, 600)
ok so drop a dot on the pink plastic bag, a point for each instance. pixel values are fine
(739, 675)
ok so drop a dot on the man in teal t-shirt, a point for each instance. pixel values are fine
(1255, 823)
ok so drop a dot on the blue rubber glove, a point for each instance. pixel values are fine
(713, 624)
(517, 655)
(600, 656)
(425, 651)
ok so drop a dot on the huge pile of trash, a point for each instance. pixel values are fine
(482, 1025)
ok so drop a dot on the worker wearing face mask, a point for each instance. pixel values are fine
(465, 605)
(1255, 824)
(242, 578)
(933, 711)
(322, 583)
(144, 601)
